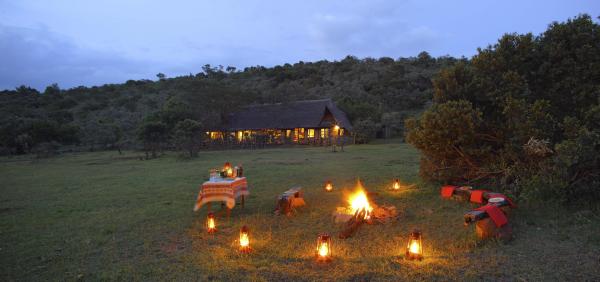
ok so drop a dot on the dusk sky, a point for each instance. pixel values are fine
(89, 43)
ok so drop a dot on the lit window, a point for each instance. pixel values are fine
(311, 133)
(240, 136)
(324, 132)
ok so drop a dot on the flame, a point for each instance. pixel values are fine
(359, 201)
(396, 185)
(414, 247)
(328, 187)
(244, 240)
(211, 224)
(323, 250)
(229, 171)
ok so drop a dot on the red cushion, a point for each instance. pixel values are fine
(448, 190)
(495, 213)
(477, 196)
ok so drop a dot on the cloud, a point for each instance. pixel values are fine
(367, 34)
(38, 57)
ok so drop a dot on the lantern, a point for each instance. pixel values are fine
(328, 186)
(245, 239)
(414, 249)
(228, 171)
(396, 184)
(211, 226)
(324, 248)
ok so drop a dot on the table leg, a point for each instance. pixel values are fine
(208, 207)
(243, 200)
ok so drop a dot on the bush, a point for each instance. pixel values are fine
(523, 116)
(365, 130)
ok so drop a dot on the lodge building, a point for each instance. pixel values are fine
(311, 122)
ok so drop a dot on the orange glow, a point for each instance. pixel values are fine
(211, 226)
(244, 240)
(397, 184)
(324, 248)
(359, 201)
(328, 186)
(414, 249)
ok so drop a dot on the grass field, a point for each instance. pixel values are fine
(104, 216)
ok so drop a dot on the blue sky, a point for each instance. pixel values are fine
(81, 42)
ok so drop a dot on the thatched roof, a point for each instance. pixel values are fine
(307, 114)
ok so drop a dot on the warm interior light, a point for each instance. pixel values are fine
(229, 172)
(336, 127)
(414, 250)
(211, 226)
(328, 186)
(359, 201)
(324, 247)
(244, 239)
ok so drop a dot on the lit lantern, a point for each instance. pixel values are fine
(324, 248)
(228, 170)
(328, 186)
(211, 226)
(396, 184)
(245, 239)
(414, 249)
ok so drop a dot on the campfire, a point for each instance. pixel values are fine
(361, 210)
(359, 202)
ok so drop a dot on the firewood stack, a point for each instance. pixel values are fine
(379, 215)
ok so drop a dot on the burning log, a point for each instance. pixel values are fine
(353, 224)
(384, 214)
(360, 211)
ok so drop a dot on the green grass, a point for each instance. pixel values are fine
(102, 216)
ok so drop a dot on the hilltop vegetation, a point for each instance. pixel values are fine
(374, 92)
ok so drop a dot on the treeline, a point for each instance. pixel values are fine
(522, 116)
(377, 94)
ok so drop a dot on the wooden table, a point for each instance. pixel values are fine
(222, 190)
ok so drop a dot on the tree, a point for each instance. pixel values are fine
(188, 136)
(153, 134)
(364, 130)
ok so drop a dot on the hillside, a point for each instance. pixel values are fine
(374, 93)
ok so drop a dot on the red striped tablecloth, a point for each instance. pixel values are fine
(223, 190)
